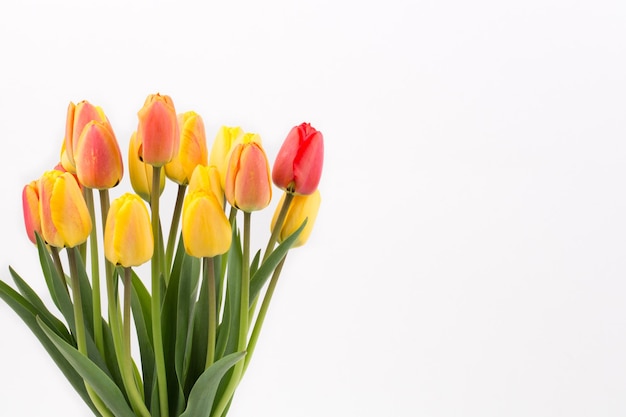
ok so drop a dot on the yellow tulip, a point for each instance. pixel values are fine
(206, 178)
(302, 207)
(65, 219)
(128, 237)
(225, 140)
(192, 150)
(140, 173)
(206, 230)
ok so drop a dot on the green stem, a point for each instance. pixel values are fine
(159, 356)
(95, 272)
(173, 234)
(59, 266)
(243, 319)
(262, 313)
(127, 365)
(209, 272)
(279, 224)
(79, 321)
(104, 211)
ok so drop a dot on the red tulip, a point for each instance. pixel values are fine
(298, 165)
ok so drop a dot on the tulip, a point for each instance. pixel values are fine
(30, 206)
(302, 207)
(225, 140)
(97, 157)
(206, 178)
(158, 130)
(298, 165)
(65, 164)
(77, 118)
(128, 239)
(192, 150)
(248, 185)
(206, 230)
(140, 173)
(65, 220)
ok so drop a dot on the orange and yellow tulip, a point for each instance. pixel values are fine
(97, 157)
(65, 220)
(248, 186)
(158, 130)
(30, 206)
(225, 140)
(192, 150)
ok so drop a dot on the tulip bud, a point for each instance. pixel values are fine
(225, 140)
(77, 118)
(248, 185)
(128, 239)
(30, 206)
(206, 230)
(158, 130)
(97, 157)
(65, 220)
(206, 178)
(192, 150)
(298, 165)
(140, 173)
(302, 207)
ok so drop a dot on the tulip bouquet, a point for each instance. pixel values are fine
(196, 320)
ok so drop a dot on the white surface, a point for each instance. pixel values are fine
(468, 259)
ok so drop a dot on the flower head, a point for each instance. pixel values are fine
(97, 157)
(65, 220)
(248, 185)
(30, 206)
(192, 150)
(206, 230)
(298, 165)
(302, 207)
(128, 239)
(158, 130)
(225, 140)
(140, 173)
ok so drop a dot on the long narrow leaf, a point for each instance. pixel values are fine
(261, 276)
(32, 297)
(27, 313)
(203, 393)
(93, 375)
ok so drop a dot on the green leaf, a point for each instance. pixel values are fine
(261, 276)
(203, 392)
(32, 297)
(56, 284)
(28, 314)
(104, 387)
(142, 315)
(187, 294)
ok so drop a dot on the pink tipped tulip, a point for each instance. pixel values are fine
(158, 130)
(77, 118)
(248, 185)
(98, 158)
(298, 165)
(30, 206)
(65, 219)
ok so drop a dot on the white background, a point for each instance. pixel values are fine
(469, 255)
